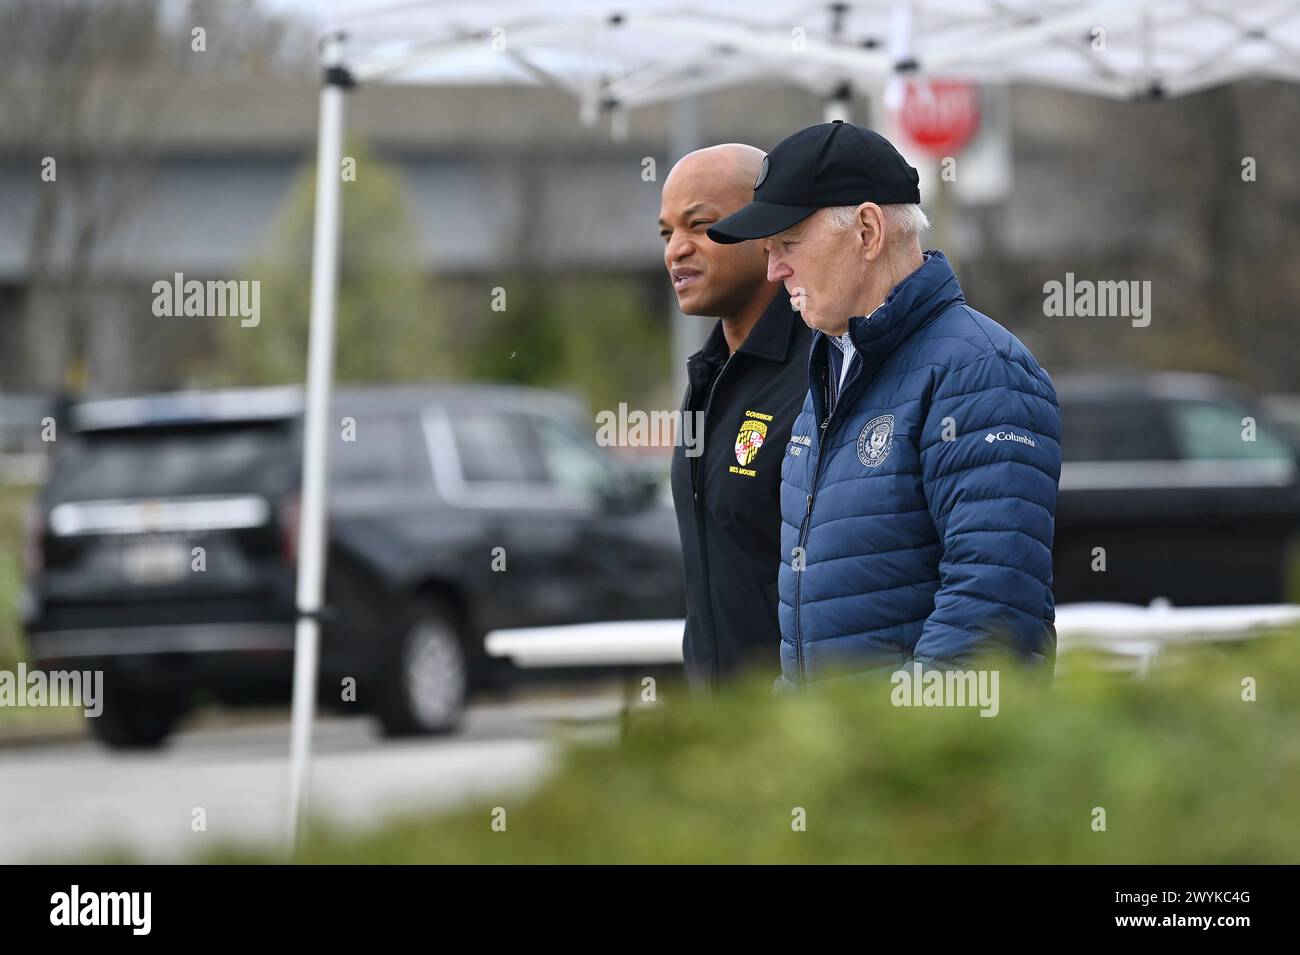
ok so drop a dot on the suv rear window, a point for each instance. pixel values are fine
(174, 461)
(1093, 430)
(497, 447)
(380, 449)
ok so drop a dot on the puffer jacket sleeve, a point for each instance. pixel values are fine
(990, 466)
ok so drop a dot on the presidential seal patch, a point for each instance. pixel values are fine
(876, 439)
(749, 440)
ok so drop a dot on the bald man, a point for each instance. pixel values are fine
(746, 386)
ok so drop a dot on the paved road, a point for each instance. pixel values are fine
(66, 802)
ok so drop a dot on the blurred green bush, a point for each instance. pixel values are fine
(13, 506)
(388, 325)
(1184, 768)
(602, 337)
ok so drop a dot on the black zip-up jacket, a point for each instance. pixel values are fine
(727, 497)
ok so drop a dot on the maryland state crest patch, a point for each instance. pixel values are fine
(749, 441)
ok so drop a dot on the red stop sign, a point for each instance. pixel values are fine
(940, 116)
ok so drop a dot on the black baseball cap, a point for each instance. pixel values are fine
(832, 164)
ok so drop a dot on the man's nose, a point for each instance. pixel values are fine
(678, 248)
(776, 269)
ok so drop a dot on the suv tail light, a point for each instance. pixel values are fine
(289, 515)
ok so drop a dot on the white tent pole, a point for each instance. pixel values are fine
(315, 454)
(517, 37)
(771, 45)
(1002, 47)
(839, 105)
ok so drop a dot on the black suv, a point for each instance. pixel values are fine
(1189, 488)
(165, 547)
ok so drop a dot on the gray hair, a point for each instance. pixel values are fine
(907, 220)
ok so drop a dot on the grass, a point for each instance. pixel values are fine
(17, 722)
(13, 505)
(1185, 770)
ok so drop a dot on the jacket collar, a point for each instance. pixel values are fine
(769, 338)
(921, 296)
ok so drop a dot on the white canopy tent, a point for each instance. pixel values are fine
(614, 57)
(620, 55)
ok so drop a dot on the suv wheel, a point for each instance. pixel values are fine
(428, 676)
(133, 721)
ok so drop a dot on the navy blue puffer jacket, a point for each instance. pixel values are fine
(917, 504)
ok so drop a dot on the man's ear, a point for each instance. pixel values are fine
(871, 230)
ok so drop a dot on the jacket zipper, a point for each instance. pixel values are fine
(807, 517)
(699, 522)
(708, 403)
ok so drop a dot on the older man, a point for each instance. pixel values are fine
(920, 481)
(746, 386)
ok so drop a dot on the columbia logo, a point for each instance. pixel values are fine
(1009, 436)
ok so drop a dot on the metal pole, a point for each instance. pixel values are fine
(315, 454)
(839, 105)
